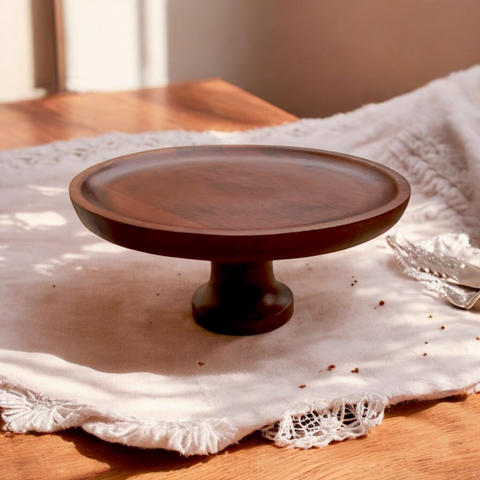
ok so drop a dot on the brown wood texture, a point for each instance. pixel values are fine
(240, 204)
(426, 440)
(202, 105)
(242, 299)
(59, 36)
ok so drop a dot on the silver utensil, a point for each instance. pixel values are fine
(454, 279)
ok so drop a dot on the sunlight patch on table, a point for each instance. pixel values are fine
(44, 268)
(41, 219)
(74, 256)
(103, 247)
(6, 221)
(48, 191)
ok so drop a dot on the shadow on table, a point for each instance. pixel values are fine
(414, 407)
(126, 462)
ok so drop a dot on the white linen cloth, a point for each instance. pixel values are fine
(99, 337)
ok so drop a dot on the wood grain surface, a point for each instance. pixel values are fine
(202, 105)
(426, 440)
(239, 203)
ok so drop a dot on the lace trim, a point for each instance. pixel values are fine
(308, 425)
(436, 167)
(24, 410)
(313, 425)
(319, 423)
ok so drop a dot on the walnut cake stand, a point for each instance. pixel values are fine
(239, 207)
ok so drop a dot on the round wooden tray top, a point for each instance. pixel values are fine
(239, 207)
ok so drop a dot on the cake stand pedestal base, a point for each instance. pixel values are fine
(242, 299)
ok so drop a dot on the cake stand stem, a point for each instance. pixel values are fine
(242, 299)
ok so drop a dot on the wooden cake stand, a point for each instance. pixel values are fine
(239, 207)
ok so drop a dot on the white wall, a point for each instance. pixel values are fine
(114, 44)
(17, 68)
(110, 45)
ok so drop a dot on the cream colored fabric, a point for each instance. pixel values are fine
(99, 337)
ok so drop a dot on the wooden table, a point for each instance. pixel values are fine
(427, 440)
